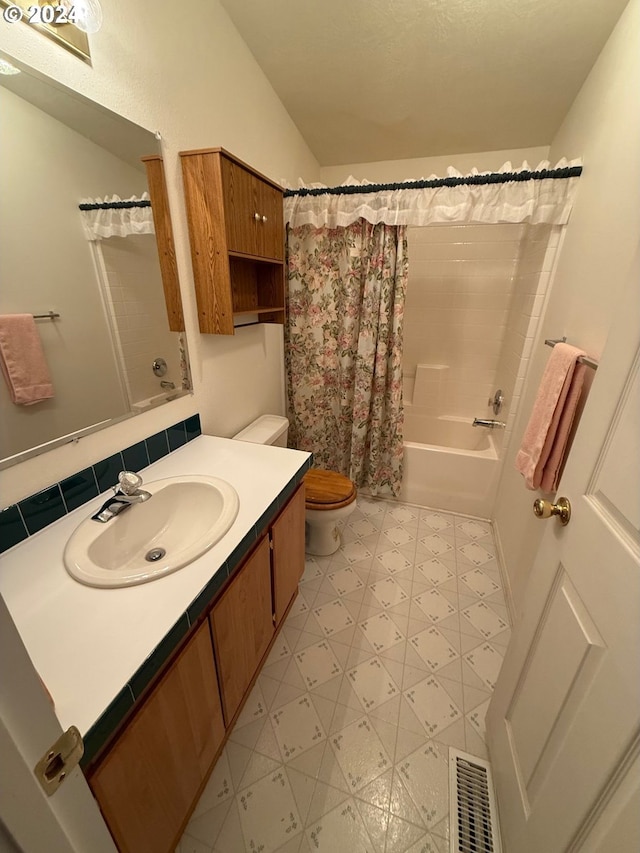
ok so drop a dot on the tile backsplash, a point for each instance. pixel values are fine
(32, 514)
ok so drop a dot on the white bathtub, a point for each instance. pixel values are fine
(450, 465)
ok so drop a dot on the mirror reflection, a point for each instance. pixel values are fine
(109, 351)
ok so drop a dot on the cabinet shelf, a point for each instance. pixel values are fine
(257, 258)
(261, 309)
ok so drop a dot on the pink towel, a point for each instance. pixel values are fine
(545, 439)
(22, 360)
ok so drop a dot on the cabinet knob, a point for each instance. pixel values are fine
(264, 218)
(256, 216)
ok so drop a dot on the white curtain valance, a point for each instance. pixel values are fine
(116, 217)
(539, 199)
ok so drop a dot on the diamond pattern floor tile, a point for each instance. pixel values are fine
(432, 705)
(381, 631)
(360, 754)
(388, 656)
(372, 684)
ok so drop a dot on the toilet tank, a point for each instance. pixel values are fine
(268, 429)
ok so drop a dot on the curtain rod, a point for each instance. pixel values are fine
(115, 205)
(466, 180)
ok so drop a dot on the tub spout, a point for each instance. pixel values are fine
(489, 424)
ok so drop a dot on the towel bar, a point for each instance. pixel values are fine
(50, 315)
(583, 359)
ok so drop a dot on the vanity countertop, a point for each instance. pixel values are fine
(85, 642)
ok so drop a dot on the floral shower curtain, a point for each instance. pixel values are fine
(343, 349)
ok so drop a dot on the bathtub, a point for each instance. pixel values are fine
(450, 465)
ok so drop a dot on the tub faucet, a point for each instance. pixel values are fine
(484, 422)
(125, 494)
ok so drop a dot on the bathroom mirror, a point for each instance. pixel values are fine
(114, 299)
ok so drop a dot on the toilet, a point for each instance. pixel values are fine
(330, 497)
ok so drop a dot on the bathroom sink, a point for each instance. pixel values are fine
(184, 517)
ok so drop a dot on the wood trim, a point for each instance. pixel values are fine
(164, 240)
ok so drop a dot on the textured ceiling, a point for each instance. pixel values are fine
(369, 80)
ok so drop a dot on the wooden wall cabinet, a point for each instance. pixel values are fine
(149, 781)
(236, 232)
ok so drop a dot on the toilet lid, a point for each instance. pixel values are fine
(327, 489)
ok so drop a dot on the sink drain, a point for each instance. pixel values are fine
(155, 554)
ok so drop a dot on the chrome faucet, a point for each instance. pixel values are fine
(484, 422)
(125, 494)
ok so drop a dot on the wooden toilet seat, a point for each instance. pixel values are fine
(328, 490)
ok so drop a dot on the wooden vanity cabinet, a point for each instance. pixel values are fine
(287, 539)
(249, 612)
(242, 626)
(149, 780)
(236, 233)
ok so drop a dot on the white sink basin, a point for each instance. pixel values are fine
(184, 518)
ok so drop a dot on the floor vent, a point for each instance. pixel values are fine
(474, 818)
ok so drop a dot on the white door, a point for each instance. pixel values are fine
(69, 821)
(564, 722)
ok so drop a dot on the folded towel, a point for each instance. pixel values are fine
(22, 360)
(545, 439)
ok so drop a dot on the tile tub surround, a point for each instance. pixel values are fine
(109, 643)
(458, 297)
(388, 656)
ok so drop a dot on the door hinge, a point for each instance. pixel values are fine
(59, 760)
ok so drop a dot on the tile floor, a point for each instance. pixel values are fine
(388, 656)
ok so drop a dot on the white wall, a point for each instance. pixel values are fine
(424, 167)
(603, 127)
(188, 74)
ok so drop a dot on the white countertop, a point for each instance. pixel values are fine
(86, 643)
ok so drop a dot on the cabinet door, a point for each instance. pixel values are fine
(242, 623)
(253, 213)
(240, 208)
(148, 782)
(271, 225)
(287, 535)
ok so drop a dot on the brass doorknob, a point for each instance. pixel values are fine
(545, 509)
